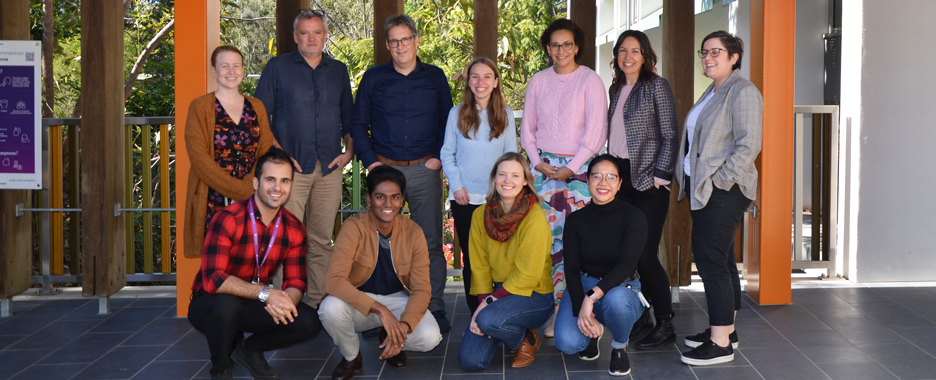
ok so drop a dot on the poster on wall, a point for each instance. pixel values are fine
(20, 116)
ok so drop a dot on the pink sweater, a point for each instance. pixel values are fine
(565, 114)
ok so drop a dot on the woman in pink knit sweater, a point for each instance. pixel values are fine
(564, 125)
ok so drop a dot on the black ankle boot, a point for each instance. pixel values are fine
(663, 333)
(642, 326)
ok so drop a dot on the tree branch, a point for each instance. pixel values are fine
(138, 66)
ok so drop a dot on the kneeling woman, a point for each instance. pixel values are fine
(510, 268)
(603, 242)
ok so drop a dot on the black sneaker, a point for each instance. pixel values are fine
(698, 339)
(642, 327)
(708, 353)
(444, 324)
(254, 362)
(591, 352)
(620, 366)
(225, 374)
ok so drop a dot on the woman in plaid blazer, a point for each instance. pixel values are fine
(716, 156)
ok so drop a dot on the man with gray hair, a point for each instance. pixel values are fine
(399, 120)
(308, 97)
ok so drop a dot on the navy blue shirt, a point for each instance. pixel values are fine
(310, 109)
(405, 114)
(384, 280)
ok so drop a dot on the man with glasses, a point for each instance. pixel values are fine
(308, 97)
(399, 120)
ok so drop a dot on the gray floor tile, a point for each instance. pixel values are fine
(130, 319)
(452, 367)
(791, 318)
(7, 340)
(893, 315)
(925, 338)
(31, 321)
(856, 371)
(459, 326)
(760, 338)
(691, 321)
(782, 363)
(192, 346)
(299, 368)
(658, 365)
(473, 376)
(63, 304)
(13, 361)
(720, 373)
(50, 372)
(55, 334)
(596, 375)
(120, 364)
(183, 369)
(904, 360)
(864, 330)
(545, 367)
(859, 295)
(164, 331)
(86, 348)
(416, 369)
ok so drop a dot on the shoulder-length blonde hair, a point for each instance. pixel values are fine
(492, 194)
(468, 119)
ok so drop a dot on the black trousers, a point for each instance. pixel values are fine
(462, 216)
(713, 249)
(224, 317)
(655, 204)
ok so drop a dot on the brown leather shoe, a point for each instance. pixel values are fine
(526, 352)
(345, 369)
(398, 361)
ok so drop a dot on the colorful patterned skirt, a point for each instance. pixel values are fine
(560, 198)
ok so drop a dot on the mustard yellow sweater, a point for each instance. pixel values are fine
(522, 264)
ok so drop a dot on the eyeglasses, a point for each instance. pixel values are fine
(405, 41)
(597, 177)
(308, 12)
(714, 52)
(566, 46)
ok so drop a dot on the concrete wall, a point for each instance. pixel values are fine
(887, 92)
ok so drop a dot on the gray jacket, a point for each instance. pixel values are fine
(727, 140)
(650, 125)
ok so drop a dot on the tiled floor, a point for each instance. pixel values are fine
(831, 331)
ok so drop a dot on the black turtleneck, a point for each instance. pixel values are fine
(603, 241)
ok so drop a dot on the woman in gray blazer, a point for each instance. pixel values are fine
(720, 141)
(642, 135)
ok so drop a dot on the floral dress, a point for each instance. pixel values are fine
(235, 148)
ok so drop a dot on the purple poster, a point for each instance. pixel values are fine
(20, 165)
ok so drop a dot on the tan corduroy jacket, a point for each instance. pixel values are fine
(205, 172)
(355, 256)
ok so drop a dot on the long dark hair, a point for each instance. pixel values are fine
(468, 119)
(647, 70)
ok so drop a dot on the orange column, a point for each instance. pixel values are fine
(773, 35)
(197, 33)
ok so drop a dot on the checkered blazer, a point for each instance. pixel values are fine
(650, 124)
(727, 140)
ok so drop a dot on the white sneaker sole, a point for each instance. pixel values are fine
(718, 360)
(587, 359)
(694, 344)
(619, 373)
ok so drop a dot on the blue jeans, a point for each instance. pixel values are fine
(503, 321)
(617, 310)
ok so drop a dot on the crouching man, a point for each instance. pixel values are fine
(379, 277)
(245, 243)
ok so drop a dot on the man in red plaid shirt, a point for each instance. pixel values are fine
(246, 242)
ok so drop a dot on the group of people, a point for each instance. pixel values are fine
(565, 238)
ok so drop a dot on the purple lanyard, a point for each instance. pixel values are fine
(253, 223)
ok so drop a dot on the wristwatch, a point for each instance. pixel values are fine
(591, 294)
(489, 299)
(264, 294)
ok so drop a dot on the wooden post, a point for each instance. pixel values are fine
(585, 14)
(15, 232)
(382, 10)
(678, 40)
(102, 147)
(197, 34)
(773, 38)
(485, 29)
(286, 11)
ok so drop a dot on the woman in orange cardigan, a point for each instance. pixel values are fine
(224, 135)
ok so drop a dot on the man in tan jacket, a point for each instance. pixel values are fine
(379, 277)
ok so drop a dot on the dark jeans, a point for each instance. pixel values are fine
(654, 203)
(713, 230)
(462, 216)
(503, 321)
(222, 317)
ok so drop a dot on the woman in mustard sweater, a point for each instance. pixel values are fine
(225, 133)
(510, 267)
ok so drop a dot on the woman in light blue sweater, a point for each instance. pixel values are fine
(478, 131)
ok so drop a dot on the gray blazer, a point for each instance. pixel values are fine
(650, 125)
(732, 122)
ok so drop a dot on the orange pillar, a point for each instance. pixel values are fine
(197, 33)
(773, 35)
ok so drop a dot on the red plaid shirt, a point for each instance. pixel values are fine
(229, 249)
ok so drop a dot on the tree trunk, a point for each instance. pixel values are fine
(48, 75)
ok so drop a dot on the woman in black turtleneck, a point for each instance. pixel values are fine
(602, 243)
